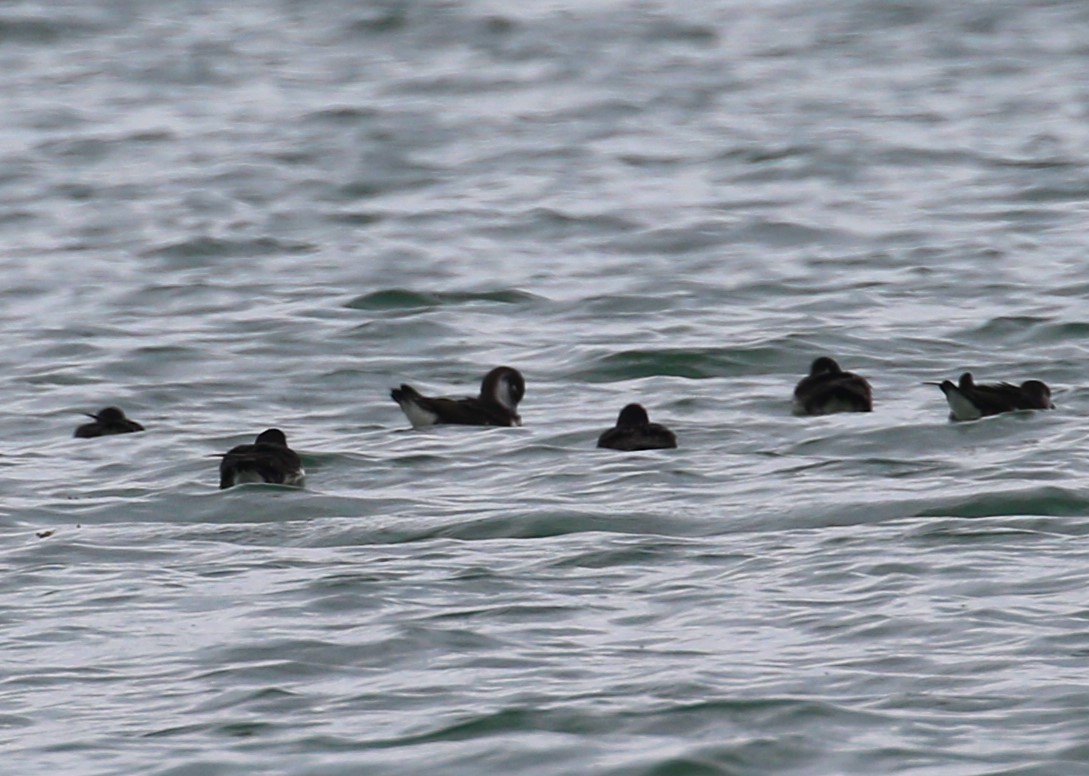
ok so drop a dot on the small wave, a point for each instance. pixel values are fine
(1046, 501)
(1061, 332)
(205, 247)
(679, 31)
(42, 30)
(380, 21)
(558, 223)
(344, 115)
(675, 240)
(693, 363)
(1004, 327)
(549, 524)
(399, 298)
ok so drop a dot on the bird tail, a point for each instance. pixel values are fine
(404, 393)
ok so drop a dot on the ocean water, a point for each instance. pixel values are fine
(229, 216)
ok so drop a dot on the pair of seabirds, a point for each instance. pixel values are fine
(500, 392)
(268, 459)
(826, 389)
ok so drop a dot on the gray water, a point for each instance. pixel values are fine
(224, 217)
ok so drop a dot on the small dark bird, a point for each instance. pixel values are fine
(827, 389)
(634, 431)
(268, 459)
(107, 421)
(500, 392)
(969, 401)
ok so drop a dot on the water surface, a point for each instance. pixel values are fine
(268, 213)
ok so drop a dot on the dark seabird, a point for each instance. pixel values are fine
(108, 421)
(969, 401)
(827, 389)
(634, 431)
(268, 459)
(500, 392)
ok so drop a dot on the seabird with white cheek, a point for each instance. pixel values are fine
(497, 404)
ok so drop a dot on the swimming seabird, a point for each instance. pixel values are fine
(268, 459)
(634, 431)
(827, 388)
(970, 401)
(500, 392)
(107, 421)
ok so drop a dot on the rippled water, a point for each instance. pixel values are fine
(268, 213)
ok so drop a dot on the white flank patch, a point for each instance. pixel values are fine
(416, 415)
(250, 477)
(836, 405)
(961, 407)
(247, 477)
